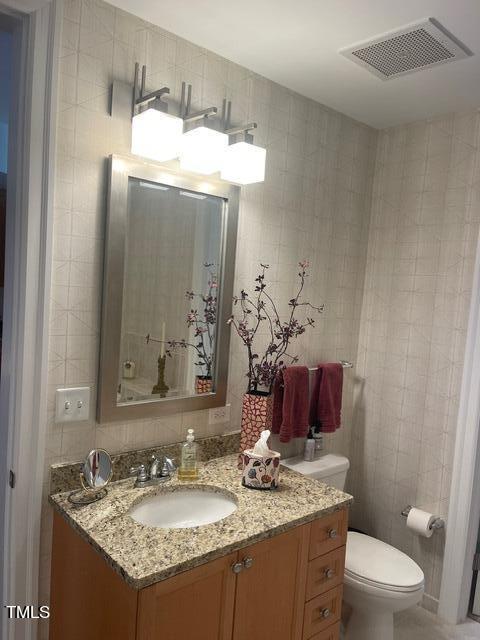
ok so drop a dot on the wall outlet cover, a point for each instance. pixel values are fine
(217, 415)
(72, 405)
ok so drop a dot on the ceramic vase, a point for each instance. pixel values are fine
(257, 412)
(203, 384)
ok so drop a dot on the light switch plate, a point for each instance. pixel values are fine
(72, 405)
(217, 415)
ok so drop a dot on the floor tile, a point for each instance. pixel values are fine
(419, 624)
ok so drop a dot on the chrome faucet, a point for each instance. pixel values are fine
(158, 472)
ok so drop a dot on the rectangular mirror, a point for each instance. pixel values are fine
(169, 264)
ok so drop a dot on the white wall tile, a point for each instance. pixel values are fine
(419, 279)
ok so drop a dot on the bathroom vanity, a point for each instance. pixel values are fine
(272, 569)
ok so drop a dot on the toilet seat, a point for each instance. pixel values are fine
(360, 581)
(373, 563)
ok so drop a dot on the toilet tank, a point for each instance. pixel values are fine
(329, 468)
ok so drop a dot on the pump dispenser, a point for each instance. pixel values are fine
(188, 466)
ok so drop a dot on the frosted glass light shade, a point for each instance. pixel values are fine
(156, 135)
(244, 163)
(203, 150)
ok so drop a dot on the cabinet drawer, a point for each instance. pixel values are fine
(332, 633)
(328, 534)
(321, 612)
(325, 572)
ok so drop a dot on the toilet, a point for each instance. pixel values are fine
(379, 579)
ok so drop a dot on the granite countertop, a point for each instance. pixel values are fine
(144, 555)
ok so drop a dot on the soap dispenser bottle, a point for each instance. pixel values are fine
(188, 465)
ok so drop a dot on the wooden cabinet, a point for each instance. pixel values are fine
(267, 604)
(88, 599)
(288, 587)
(195, 604)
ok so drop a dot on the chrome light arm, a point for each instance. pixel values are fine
(140, 98)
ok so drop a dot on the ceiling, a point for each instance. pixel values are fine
(296, 43)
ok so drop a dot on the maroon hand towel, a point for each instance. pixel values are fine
(290, 403)
(326, 398)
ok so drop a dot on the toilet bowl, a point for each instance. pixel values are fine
(379, 581)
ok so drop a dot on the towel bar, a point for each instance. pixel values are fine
(345, 364)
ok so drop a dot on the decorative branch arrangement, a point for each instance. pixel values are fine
(203, 321)
(259, 309)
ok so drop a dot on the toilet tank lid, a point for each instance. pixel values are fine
(322, 467)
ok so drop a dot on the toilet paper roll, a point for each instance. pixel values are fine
(420, 522)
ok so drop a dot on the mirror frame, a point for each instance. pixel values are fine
(120, 170)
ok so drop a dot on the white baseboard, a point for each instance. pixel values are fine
(430, 603)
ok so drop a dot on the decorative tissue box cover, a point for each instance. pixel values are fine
(260, 472)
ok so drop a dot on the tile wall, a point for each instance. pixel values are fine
(422, 242)
(314, 204)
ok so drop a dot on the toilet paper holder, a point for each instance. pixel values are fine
(438, 523)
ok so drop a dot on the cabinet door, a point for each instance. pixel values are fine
(271, 588)
(195, 604)
(88, 599)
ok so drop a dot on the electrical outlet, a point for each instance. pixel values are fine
(218, 415)
(72, 405)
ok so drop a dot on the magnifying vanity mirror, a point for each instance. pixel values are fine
(95, 474)
(169, 264)
(97, 470)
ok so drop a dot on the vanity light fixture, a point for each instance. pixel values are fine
(243, 162)
(203, 146)
(155, 133)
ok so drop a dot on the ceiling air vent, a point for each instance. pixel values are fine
(418, 46)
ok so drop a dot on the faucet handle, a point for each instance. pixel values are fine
(168, 467)
(140, 472)
(170, 462)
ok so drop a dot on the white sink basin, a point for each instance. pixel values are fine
(182, 509)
